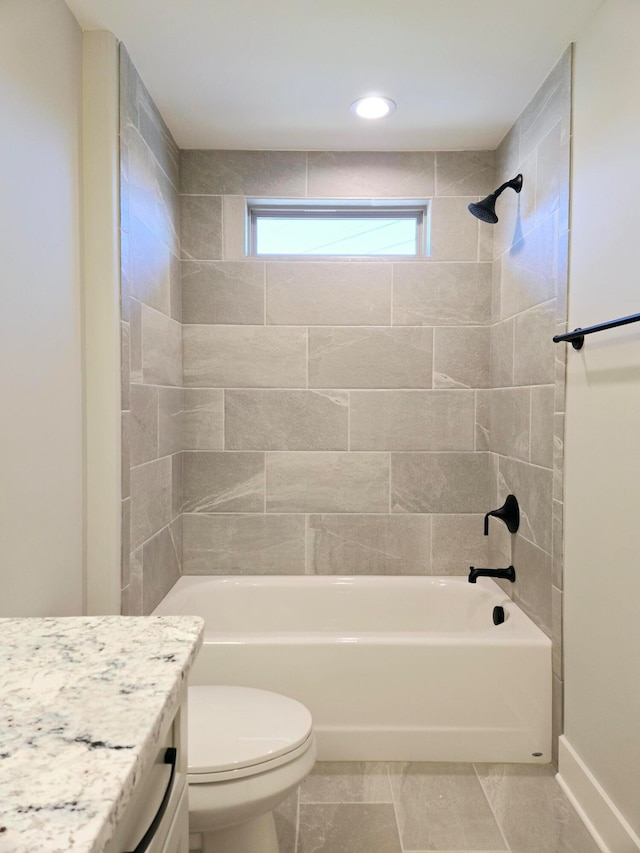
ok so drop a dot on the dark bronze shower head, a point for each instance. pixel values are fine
(485, 210)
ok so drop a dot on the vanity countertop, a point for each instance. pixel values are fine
(83, 702)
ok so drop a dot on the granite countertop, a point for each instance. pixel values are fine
(83, 701)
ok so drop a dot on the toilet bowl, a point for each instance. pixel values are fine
(248, 749)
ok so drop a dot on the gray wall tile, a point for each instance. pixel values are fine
(149, 267)
(369, 545)
(201, 234)
(328, 293)
(534, 354)
(286, 420)
(510, 422)
(170, 438)
(533, 486)
(327, 482)
(150, 499)
(457, 542)
(223, 482)
(370, 358)
(245, 356)
(203, 419)
(461, 357)
(243, 544)
(439, 482)
(371, 174)
(465, 173)
(143, 424)
(253, 173)
(412, 420)
(161, 349)
(454, 232)
(542, 420)
(530, 269)
(160, 569)
(438, 294)
(223, 292)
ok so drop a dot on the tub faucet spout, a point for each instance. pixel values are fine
(508, 574)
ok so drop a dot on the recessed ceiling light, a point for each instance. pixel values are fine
(373, 107)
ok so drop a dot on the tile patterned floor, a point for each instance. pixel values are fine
(349, 807)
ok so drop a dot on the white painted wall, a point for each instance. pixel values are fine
(41, 473)
(601, 758)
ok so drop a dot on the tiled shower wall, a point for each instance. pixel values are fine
(335, 410)
(152, 348)
(526, 405)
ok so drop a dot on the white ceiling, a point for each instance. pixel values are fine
(251, 74)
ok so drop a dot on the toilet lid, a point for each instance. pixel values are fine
(235, 727)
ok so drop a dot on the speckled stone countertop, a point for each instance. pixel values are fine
(83, 702)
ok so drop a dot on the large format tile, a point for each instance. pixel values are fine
(510, 422)
(412, 420)
(222, 292)
(457, 542)
(454, 231)
(203, 418)
(439, 482)
(368, 545)
(143, 424)
(529, 270)
(534, 350)
(150, 499)
(252, 173)
(223, 482)
(465, 172)
(442, 807)
(285, 816)
(532, 589)
(327, 482)
(550, 104)
(286, 420)
(461, 357)
(328, 293)
(161, 349)
(371, 174)
(160, 568)
(441, 294)
(533, 486)
(149, 267)
(243, 544)
(534, 813)
(245, 356)
(170, 418)
(348, 828)
(370, 358)
(347, 782)
(201, 227)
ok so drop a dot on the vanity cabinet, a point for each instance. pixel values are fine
(156, 819)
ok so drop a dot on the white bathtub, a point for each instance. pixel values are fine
(392, 668)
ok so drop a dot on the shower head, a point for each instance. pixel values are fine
(486, 209)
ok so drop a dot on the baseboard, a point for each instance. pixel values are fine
(609, 829)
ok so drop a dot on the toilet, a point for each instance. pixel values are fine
(248, 749)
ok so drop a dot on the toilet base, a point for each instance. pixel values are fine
(257, 835)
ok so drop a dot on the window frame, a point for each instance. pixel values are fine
(417, 209)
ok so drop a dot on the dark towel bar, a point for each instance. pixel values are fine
(576, 338)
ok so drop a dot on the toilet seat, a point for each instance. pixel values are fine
(235, 732)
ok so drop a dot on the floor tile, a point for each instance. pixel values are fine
(348, 828)
(533, 811)
(286, 820)
(347, 782)
(442, 807)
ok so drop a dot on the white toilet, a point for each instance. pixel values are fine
(248, 749)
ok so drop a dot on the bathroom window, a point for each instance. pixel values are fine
(328, 228)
